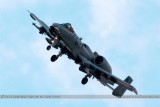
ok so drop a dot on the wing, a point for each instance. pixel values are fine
(108, 75)
(44, 28)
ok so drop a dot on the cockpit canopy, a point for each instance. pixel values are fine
(69, 27)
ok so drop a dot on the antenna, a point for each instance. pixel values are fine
(29, 11)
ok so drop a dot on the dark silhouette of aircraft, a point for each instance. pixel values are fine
(63, 37)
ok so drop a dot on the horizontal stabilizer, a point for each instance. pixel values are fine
(120, 90)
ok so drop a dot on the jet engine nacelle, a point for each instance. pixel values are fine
(102, 62)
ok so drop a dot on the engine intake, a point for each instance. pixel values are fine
(102, 62)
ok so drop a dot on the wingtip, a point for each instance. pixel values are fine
(135, 91)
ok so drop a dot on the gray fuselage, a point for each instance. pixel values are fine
(74, 43)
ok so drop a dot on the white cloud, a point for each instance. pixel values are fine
(110, 16)
(111, 23)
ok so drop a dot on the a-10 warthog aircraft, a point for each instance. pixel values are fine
(63, 37)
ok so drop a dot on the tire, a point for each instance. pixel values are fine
(53, 58)
(84, 80)
(48, 47)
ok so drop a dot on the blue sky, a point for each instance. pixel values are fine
(126, 32)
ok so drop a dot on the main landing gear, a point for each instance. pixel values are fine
(84, 80)
(55, 57)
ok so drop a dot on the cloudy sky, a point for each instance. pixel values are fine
(126, 32)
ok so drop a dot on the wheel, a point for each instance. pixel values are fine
(54, 58)
(48, 47)
(84, 80)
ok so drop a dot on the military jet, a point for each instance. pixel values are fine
(63, 37)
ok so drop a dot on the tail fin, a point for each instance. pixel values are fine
(119, 90)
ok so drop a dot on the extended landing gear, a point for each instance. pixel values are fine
(48, 47)
(55, 57)
(84, 80)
